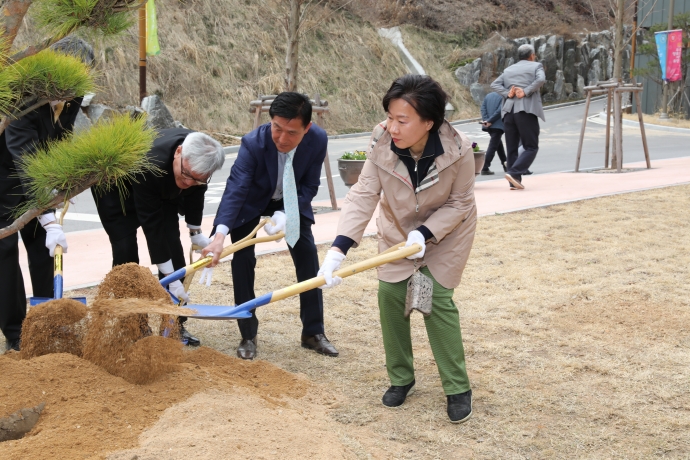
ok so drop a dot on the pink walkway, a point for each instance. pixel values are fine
(89, 257)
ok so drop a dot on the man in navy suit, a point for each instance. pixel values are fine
(255, 189)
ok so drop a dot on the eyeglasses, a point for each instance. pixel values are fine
(188, 175)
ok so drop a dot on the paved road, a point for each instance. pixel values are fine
(558, 146)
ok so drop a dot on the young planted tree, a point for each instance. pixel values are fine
(105, 156)
(297, 18)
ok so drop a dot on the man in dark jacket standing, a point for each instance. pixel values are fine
(493, 124)
(277, 172)
(52, 121)
(187, 159)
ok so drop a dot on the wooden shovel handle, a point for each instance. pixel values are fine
(241, 244)
(394, 253)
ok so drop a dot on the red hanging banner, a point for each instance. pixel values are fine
(674, 54)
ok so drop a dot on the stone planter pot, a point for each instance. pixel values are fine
(349, 170)
(479, 161)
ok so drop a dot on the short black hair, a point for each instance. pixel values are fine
(421, 92)
(291, 105)
(75, 46)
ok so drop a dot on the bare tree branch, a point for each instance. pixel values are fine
(325, 17)
(594, 16)
(35, 49)
(12, 13)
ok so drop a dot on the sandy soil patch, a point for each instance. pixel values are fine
(575, 323)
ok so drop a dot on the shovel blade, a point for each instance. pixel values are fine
(219, 312)
(33, 301)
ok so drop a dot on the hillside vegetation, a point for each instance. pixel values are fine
(218, 55)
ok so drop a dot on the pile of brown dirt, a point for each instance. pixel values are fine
(56, 326)
(90, 412)
(130, 314)
(131, 281)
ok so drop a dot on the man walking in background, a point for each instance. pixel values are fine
(493, 124)
(519, 85)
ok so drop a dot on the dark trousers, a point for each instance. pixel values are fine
(13, 304)
(521, 127)
(306, 261)
(495, 147)
(119, 219)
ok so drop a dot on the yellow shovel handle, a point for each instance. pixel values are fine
(241, 244)
(394, 253)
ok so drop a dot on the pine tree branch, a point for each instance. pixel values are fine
(61, 197)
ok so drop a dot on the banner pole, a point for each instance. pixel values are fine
(142, 52)
(664, 96)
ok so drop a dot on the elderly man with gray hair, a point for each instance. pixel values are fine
(519, 85)
(188, 159)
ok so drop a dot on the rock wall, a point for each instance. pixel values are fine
(569, 64)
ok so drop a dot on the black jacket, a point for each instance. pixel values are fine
(23, 136)
(155, 196)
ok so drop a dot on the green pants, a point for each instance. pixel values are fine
(442, 327)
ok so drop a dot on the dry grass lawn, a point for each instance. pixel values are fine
(576, 324)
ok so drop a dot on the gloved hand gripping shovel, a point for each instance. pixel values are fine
(204, 261)
(244, 310)
(57, 270)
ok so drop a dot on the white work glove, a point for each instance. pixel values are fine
(200, 240)
(166, 268)
(177, 289)
(55, 236)
(330, 264)
(206, 274)
(277, 225)
(415, 236)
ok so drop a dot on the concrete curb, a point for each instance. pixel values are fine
(672, 129)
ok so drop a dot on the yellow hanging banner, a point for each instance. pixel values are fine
(152, 47)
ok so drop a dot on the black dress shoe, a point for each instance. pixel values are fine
(487, 172)
(320, 344)
(395, 396)
(187, 338)
(460, 407)
(247, 349)
(13, 344)
(528, 173)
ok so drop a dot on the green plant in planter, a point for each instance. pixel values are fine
(475, 147)
(354, 155)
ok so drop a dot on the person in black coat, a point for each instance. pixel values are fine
(52, 121)
(153, 201)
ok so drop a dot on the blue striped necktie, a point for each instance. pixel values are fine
(290, 202)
